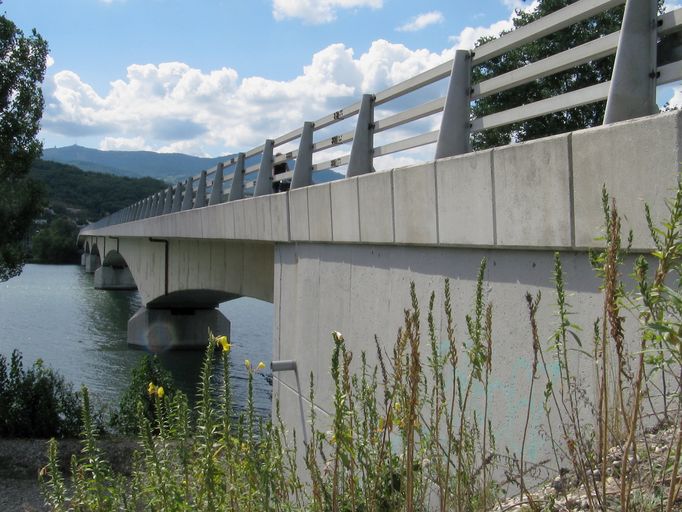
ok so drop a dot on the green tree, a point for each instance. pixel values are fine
(22, 69)
(576, 78)
(56, 243)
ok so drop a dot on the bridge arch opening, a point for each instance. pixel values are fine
(113, 273)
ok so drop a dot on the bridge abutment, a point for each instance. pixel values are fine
(114, 278)
(159, 330)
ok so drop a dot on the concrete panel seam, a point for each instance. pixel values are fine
(392, 205)
(493, 198)
(571, 193)
(435, 197)
(331, 213)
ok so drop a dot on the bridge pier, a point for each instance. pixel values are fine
(159, 330)
(114, 278)
(92, 263)
(83, 256)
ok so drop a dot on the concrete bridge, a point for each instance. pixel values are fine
(340, 255)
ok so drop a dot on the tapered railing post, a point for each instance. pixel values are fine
(453, 137)
(187, 198)
(168, 201)
(264, 179)
(200, 199)
(177, 198)
(147, 208)
(362, 152)
(237, 187)
(633, 81)
(303, 170)
(217, 187)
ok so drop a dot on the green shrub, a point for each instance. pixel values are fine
(36, 402)
(148, 369)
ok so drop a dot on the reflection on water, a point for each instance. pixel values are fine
(53, 312)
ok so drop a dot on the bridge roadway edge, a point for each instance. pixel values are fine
(343, 254)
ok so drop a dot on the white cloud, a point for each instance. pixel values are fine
(422, 21)
(467, 38)
(174, 107)
(671, 6)
(317, 11)
(49, 62)
(676, 100)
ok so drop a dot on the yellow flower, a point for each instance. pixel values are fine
(160, 392)
(223, 343)
(151, 389)
(261, 366)
(247, 363)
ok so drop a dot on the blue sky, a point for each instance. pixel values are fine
(216, 76)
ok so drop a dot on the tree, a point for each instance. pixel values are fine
(56, 243)
(576, 78)
(22, 69)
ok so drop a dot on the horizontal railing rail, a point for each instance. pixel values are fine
(264, 169)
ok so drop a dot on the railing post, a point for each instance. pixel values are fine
(361, 153)
(168, 202)
(237, 187)
(633, 81)
(154, 206)
(217, 187)
(159, 204)
(200, 200)
(147, 208)
(264, 179)
(303, 170)
(187, 198)
(177, 198)
(453, 137)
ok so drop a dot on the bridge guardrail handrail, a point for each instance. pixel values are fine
(635, 42)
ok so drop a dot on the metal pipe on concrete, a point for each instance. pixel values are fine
(453, 137)
(633, 82)
(264, 179)
(237, 187)
(303, 170)
(361, 153)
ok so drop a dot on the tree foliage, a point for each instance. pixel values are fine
(22, 69)
(56, 242)
(575, 78)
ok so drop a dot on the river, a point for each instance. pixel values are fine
(53, 312)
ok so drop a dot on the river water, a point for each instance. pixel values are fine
(53, 312)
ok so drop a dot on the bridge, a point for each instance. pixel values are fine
(340, 255)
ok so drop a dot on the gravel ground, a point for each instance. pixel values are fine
(22, 459)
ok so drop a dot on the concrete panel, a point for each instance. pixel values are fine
(279, 214)
(638, 161)
(375, 193)
(241, 229)
(345, 210)
(320, 212)
(215, 223)
(263, 218)
(465, 199)
(415, 207)
(250, 208)
(258, 269)
(532, 193)
(298, 215)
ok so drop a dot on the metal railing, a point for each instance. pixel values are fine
(630, 93)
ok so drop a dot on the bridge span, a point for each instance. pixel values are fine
(341, 255)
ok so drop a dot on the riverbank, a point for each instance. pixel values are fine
(22, 459)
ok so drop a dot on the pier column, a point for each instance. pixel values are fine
(114, 278)
(92, 263)
(159, 330)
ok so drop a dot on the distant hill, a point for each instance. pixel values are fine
(169, 167)
(88, 196)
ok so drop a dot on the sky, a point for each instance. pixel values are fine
(213, 77)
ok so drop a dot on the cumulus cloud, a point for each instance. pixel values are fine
(671, 6)
(676, 100)
(422, 21)
(49, 61)
(174, 107)
(467, 38)
(317, 11)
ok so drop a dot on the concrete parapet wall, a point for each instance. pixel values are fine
(539, 194)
